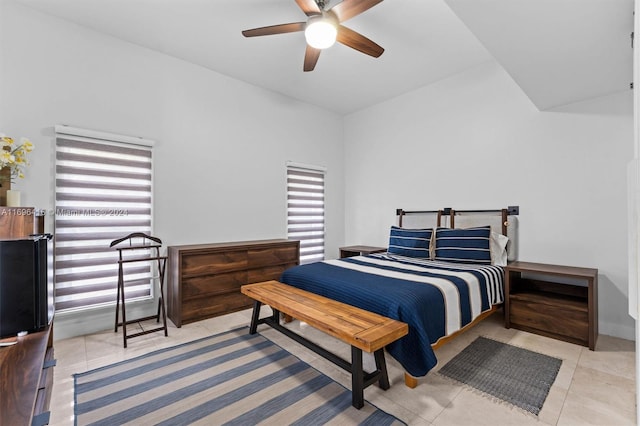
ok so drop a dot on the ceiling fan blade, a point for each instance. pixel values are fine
(309, 7)
(350, 8)
(275, 29)
(311, 56)
(357, 41)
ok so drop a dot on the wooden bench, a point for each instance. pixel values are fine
(363, 330)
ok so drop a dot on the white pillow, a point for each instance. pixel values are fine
(498, 246)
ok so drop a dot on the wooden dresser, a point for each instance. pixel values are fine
(204, 280)
(26, 379)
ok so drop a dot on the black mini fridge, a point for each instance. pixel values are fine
(26, 285)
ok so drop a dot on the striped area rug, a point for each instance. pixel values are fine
(231, 378)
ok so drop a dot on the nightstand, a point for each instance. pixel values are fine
(552, 300)
(350, 251)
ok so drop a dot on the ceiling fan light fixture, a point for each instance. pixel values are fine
(321, 32)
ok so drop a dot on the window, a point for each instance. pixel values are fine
(305, 210)
(103, 191)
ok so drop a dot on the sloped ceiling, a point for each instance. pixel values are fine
(558, 51)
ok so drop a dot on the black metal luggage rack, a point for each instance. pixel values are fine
(152, 244)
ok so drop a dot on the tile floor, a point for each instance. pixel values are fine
(592, 388)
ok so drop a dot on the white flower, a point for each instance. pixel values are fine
(14, 157)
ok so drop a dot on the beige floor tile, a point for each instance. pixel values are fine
(70, 352)
(231, 321)
(181, 335)
(61, 412)
(612, 355)
(590, 385)
(418, 421)
(445, 353)
(552, 408)
(108, 352)
(428, 400)
(470, 408)
(565, 375)
(614, 344)
(583, 411)
(61, 404)
(617, 393)
(379, 399)
(545, 345)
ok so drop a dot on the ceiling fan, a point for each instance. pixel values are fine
(324, 27)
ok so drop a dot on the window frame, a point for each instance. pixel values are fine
(112, 145)
(300, 226)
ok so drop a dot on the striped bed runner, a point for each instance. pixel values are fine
(231, 378)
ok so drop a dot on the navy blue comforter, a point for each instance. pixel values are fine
(434, 298)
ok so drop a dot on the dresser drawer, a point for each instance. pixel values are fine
(214, 263)
(267, 273)
(205, 307)
(272, 256)
(209, 285)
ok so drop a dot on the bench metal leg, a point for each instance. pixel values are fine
(381, 366)
(255, 317)
(357, 378)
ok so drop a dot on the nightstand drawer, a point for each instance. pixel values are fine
(551, 320)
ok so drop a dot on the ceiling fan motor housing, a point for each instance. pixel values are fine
(321, 30)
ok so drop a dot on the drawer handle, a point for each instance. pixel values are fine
(49, 363)
(41, 419)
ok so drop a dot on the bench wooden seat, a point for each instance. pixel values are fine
(363, 330)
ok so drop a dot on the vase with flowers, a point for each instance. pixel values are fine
(13, 160)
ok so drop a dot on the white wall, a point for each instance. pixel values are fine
(221, 146)
(474, 140)
(470, 141)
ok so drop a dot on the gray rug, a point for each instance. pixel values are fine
(515, 375)
(231, 378)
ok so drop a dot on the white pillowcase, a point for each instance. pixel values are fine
(498, 246)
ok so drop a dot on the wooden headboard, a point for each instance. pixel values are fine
(447, 216)
(501, 220)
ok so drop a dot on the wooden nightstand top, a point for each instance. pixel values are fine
(348, 251)
(363, 249)
(561, 270)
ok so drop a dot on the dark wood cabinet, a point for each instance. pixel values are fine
(26, 379)
(350, 251)
(205, 279)
(19, 222)
(553, 300)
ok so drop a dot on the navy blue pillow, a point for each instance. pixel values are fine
(410, 242)
(471, 245)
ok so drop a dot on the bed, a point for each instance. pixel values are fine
(439, 280)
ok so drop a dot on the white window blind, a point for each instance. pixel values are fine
(103, 191)
(305, 211)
